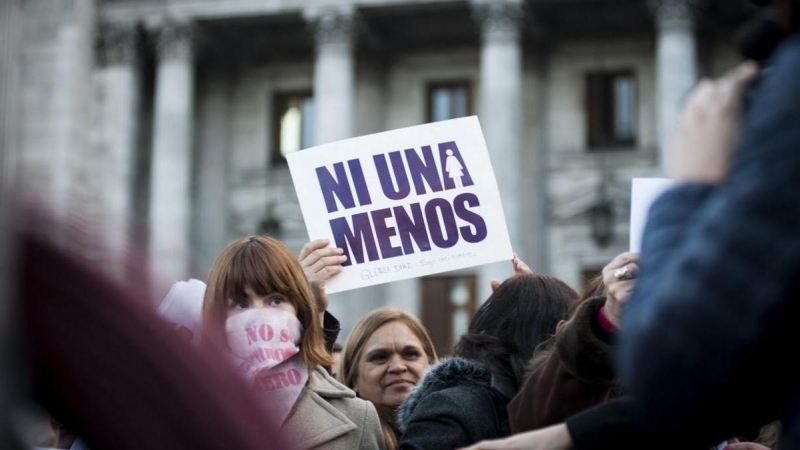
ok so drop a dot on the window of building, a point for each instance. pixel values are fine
(293, 128)
(611, 107)
(449, 100)
(448, 303)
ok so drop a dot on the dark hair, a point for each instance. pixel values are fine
(520, 314)
(594, 287)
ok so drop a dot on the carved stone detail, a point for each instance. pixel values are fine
(675, 11)
(175, 40)
(332, 25)
(118, 44)
(499, 19)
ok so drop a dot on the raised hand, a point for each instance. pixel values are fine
(320, 263)
(705, 137)
(619, 277)
(520, 268)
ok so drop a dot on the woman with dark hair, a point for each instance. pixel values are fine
(259, 310)
(557, 405)
(463, 399)
(575, 370)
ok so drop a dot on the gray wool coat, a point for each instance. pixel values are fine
(328, 415)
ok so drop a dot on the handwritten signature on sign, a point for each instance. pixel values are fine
(379, 271)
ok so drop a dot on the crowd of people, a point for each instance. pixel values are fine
(681, 346)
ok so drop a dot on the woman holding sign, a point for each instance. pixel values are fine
(260, 311)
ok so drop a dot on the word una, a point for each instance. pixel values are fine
(417, 169)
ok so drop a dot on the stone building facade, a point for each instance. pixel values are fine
(163, 123)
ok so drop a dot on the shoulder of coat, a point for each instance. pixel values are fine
(324, 385)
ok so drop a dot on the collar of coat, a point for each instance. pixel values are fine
(584, 354)
(447, 373)
(324, 385)
(314, 420)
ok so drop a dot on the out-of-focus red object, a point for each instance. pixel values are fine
(111, 371)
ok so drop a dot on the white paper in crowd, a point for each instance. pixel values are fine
(644, 191)
(404, 203)
(183, 307)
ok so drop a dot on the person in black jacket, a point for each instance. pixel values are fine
(463, 399)
(704, 347)
(718, 281)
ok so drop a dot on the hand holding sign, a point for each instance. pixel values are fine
(320, 263)
(520, 268)
(619, 277)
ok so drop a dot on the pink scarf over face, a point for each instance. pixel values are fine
(264, 347)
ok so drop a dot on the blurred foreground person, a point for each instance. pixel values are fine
(463, 399)
(260, 311)
(706, 338)
(112, 373)
(384, 358)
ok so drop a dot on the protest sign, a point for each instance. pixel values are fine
(644, 191)
(404, 203)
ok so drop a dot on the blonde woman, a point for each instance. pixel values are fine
(383, 359)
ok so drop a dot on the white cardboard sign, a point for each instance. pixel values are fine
(644, 191)
(404, 203)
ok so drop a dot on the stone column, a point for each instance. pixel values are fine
(14, 383)
(500, 111)
(334, 69)
(334, 29)
(172, 155)
(10, 61)
(56, 105)
(120, 138)
(210, 227)
(676, 62)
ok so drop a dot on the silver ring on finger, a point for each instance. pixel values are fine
(623, 273)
